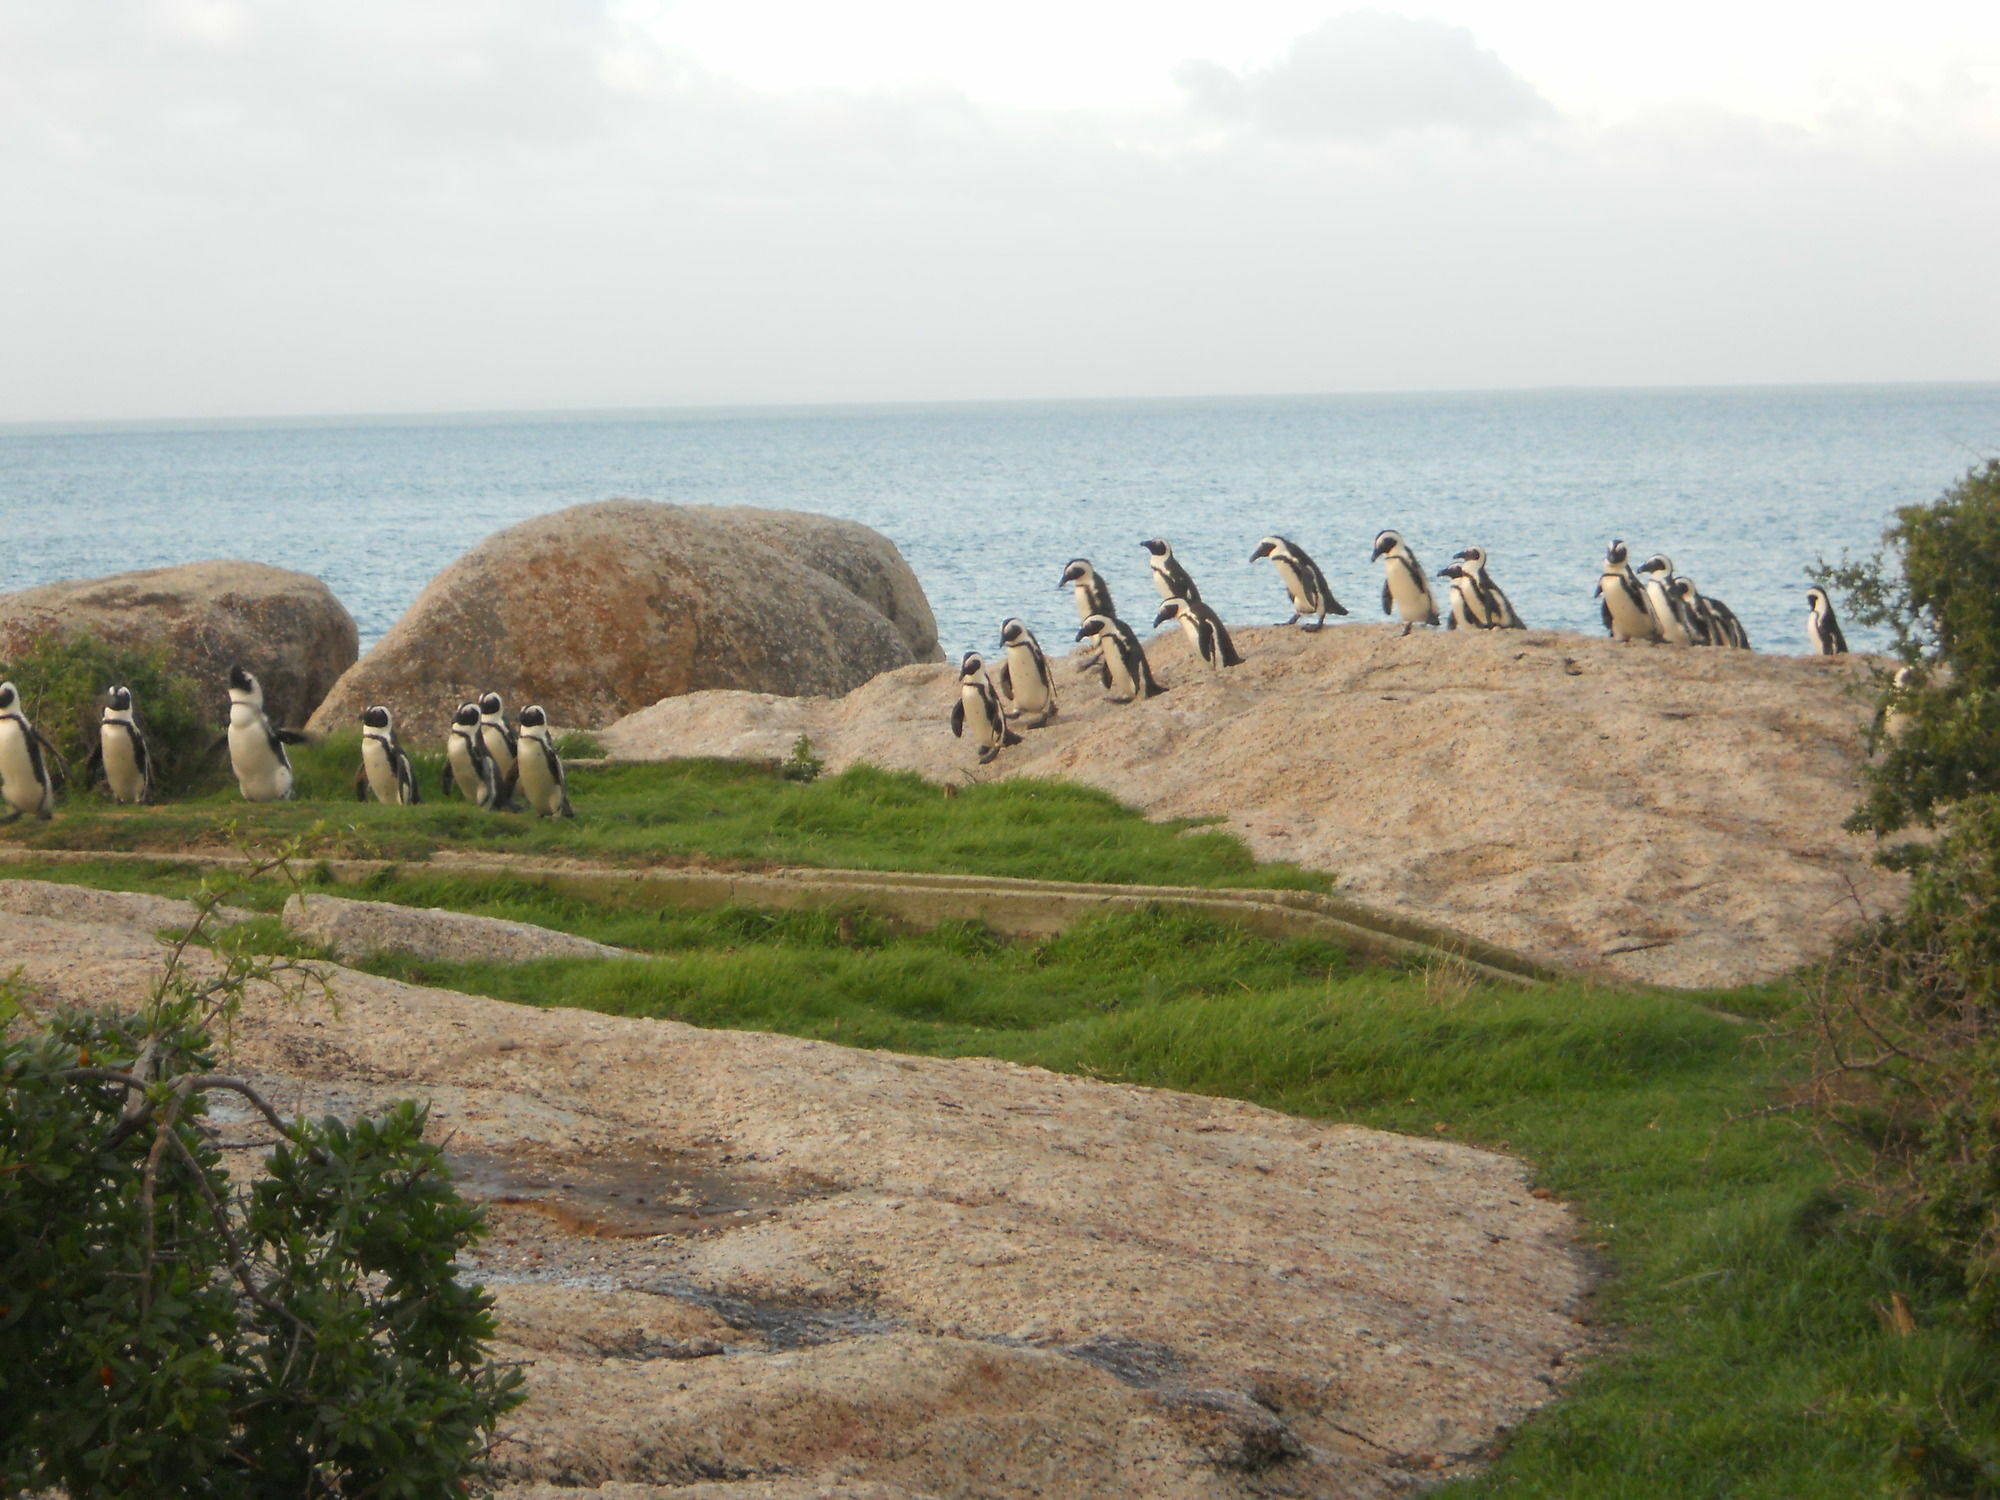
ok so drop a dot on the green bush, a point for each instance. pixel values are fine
(63, 679)
(163, 1334)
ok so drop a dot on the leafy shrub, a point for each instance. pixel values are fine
(163, 1334)
(63, 680)
(801, 764)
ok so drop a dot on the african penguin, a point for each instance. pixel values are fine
(25, 782)
(1304, 584)
(1822, 629)
(256, 748)
(1405, 590)
(977, 711)
(1121, 659)
(1025, 680)
(1496, 610)
(1724, 629)
(1093, 594)
(1670, 617)
(121, 755)
(466, 763)
(385, 766)
(1467, 608)
(1169, 577)
(498, 739)
(1627, 616)
(1204, 628)
(540, 768)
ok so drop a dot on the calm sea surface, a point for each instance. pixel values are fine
(1742, 488)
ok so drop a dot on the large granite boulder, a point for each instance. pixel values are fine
(601, 609)
(207, 617)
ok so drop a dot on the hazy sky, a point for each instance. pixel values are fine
(221, 208)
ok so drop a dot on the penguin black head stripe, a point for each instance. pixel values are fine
(971, 664)
(1385, 541)
(1657, 563)
(467, 715)
(241, 681)
(120, 700)
(1094, 626)
(532, 717)
(1075, 572)
(1615, 554)
(489, 703)
(1157, 547)
(8, 698)
(375, 717)
(1012, 629)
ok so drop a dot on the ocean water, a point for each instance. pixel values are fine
(1743, 488)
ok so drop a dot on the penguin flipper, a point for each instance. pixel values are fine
(1231, 657)
(958, 719)
(1604, 608)
(93, 770)
(292, 736)
(142, 758)
(1006, 681)
(1388, 599)
(361, 783)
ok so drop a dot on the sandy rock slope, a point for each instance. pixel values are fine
(744, 1265)
(1671, 815)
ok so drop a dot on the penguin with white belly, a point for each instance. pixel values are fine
(1406, 593)
(1205, 629)
(1305, 585)
(977, 713)
(25, 782)
(121, 757)
(385, 765)
(1122, 663)
(256, 747)
(1822, 629)
(1093, 594)
(1169, 577)
(1025, 679)
(538, 767)
(1494, 609)
(1466, 608)
(467, 766)
(1627, 616)
(1670, 615)
(499, 739)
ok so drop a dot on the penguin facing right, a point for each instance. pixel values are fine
(1126, 671)
(256, 747)
(1305, 585)
(1025, 679)
(1169, 577)
(120, 756)
(1822, 629)
(385, 766)
(1093, 594)
(1627, 617)
(1405, 590)
(466, 763)
(539, 768)
(25, 782)
(978, 710)
(498, 739)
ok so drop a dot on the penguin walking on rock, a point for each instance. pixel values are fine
(1627, 616)
(256, 746)
(539, 768)
(1121, 660)
(1093, 594)
(1205, 629)
(466, 763)
(1305, 585)
(1169, 577)
(499, 740)
(977, 712)
(25, 782)
(1822, 629)
(385, 766)
(1405, 590)
(1025, 679)
(1494, 609)
(121, 757)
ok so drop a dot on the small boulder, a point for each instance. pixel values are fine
(353, 930)
(207, 617)
(601, 609)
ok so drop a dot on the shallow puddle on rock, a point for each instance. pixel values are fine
(625, 1198)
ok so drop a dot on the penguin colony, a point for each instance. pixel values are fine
(492, 763)
(1652, 602)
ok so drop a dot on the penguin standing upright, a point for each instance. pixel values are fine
(498, 739)
(1305, 585)
(1405, 590)
(1169, 577)
(1495, 609)
(1025, 680)
(540, 769)
(1204, 628)
(1093, 594)
(1466, 608)
(1121, 659)
(256, 747)
(1670, 616)
(25, 782)
(385, 766)
(466, 763)
(977, 711)
(1627, 616)
(1724, 629)
(120, 756)
(1822, 629)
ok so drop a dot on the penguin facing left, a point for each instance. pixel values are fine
(977, 711)
(1093, 594)
(540, 768)
(1467, 609)
(1126, 672)
(1822, 629)
(1169, 577)
(1405, 590)
(25, 782)
(1305, 585)
(1204, 628)
(466, 763)
(385, 766)
(499, 739)
(1025, 679)
(1495, 608)
(120, 756)
(256, 747)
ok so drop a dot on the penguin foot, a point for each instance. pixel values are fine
(987, 755)
(1121, 700)
(1313, 628)
(1406, 630)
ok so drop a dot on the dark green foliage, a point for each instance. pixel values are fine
(63, 680)
(801, 764)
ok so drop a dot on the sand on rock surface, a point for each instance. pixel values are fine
(742, 1265)
(1670, 815)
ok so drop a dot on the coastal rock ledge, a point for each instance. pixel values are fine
(601, 609)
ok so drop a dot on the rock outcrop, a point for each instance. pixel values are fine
(1667, 814)
(598, 610)
(207, 617)
(351, 930)
(790, 1268)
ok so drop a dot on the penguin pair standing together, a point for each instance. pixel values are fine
(1477, 602)
(1118, 659)
(1654, 603)
(1181, 600)
(488, 760)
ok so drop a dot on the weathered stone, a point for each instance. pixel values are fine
(601, 609)
(357, 929)
(207, 617)
(82, 903)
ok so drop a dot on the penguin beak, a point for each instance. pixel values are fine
(1086, 631)
(1162, 617)
(1263, 550)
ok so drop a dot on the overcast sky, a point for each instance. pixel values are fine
(211, 208)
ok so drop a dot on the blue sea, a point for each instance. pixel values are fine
(1743, 488)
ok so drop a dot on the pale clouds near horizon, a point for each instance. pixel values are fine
(224, 209)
